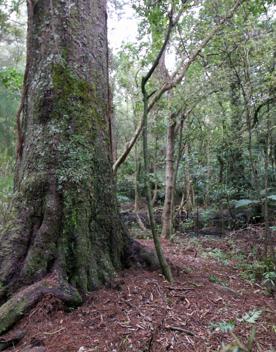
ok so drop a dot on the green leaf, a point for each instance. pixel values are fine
(223, 326)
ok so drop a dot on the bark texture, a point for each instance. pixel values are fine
(67, 220)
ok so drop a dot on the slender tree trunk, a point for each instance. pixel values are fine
(221, 169)
(180, 150)
(162, 259)
(137, 169)
(269, 251)
(207, 194)
(188, 190)
(155, 194)
(169, 184)
(137, 178)
(254, 171)
(155, 190)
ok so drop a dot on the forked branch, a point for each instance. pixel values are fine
(177, 77)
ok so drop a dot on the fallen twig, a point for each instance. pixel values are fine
(54, 332)
(177, 328)
(180, 288)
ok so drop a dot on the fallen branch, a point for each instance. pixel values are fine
(54, 332)
(140, 223)
(179, 288)
(177, 328)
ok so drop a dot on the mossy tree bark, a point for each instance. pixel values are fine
(67, 220)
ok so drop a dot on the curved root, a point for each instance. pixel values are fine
(141, 256)
(25, 299)
(22, 301)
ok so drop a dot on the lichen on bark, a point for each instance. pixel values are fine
(67, 219)
(67, 214)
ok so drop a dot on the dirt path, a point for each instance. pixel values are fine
(141, 312)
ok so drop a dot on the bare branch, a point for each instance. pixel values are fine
(180, 73)
(130, 144)
(177, 76)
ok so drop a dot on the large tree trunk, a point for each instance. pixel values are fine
(67, 223)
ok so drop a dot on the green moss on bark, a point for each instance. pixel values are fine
(85, 181)
(10, 312)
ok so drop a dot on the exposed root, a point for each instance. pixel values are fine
(139, 255)
(140, 223)
(25, 299)
(22, 301)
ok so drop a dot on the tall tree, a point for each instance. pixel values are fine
(68, 237)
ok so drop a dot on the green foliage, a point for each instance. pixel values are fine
(223, 326)
(189, 224)
(214, 279)
(257, 270)
(269, 278)
(250, 317)
(6, 191)
(11, 79)
(219, 255)
(6, 174)
(230, 89)
(207, 215)
(9, 98)
(125, 189)
(238, 346)
(123, 199)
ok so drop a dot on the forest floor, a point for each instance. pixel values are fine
(140, 311)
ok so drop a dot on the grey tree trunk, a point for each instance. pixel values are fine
(68, 234)
(158, 247)
(167, 215)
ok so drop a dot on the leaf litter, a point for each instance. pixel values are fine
(139, 311)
